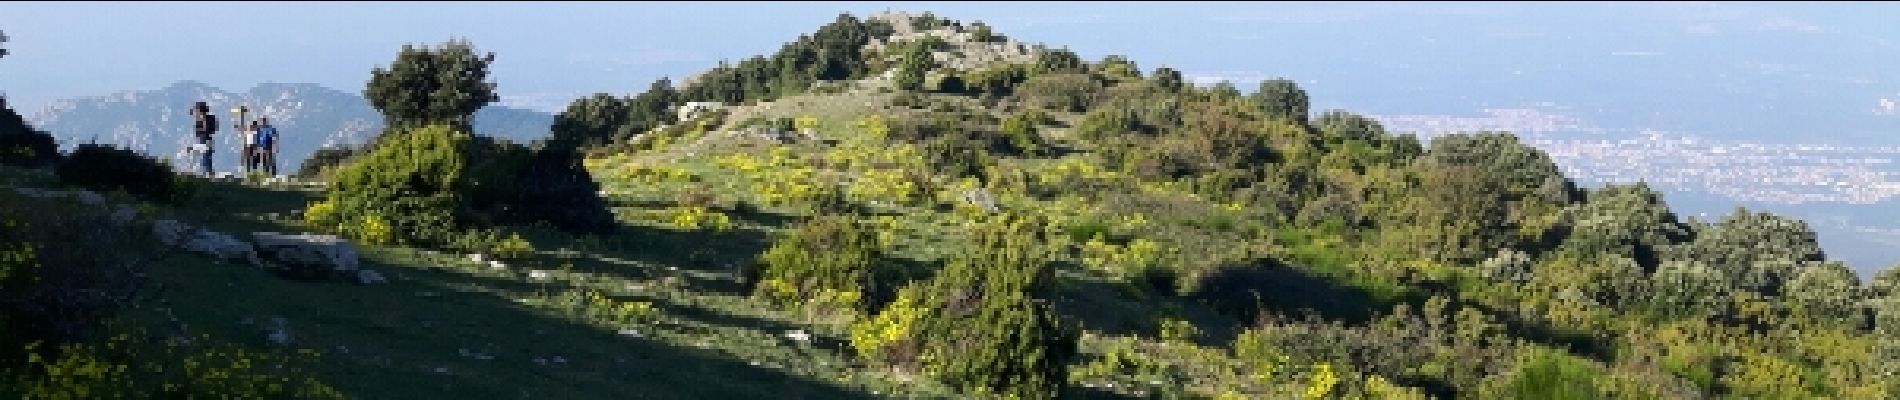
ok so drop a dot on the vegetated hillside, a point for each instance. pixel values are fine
(871, 212)
(1205, 237)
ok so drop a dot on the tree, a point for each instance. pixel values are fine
(917, 60)
(1057, 61)
(981, 32)
(423, 86)
(1118, 68)
(1342, 125)
(1281, 98)
(1826, 291)
(1758, 252)
(1169, 79)
(589, 121)
(983, 324)
(1627, 219)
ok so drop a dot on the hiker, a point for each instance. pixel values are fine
(204, 125)
(248, 156)
(266, 146)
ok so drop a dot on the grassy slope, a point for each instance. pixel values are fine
(447, 327)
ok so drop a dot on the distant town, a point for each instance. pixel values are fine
(1744, 171)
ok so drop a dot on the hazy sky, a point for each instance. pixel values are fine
(548, 53)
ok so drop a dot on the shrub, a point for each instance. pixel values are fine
(64, 268)
(981, 325)
(20, 144)
(104, 167)
(408, 190)
(1550, 375)
(1060, 92)
(31, 149)
(323, 161)
(827, 259)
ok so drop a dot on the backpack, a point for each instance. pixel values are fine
(207, 126)
(266, 135)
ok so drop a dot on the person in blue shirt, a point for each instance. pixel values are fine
(267, 146)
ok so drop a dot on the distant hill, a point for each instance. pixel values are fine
(309, 117)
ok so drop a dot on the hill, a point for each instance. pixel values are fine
(908, 206)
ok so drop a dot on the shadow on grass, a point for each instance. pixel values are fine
(444, 333)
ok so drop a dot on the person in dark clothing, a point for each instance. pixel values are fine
(204, 125)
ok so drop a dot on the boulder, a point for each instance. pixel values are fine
(195, 239)
(124, 215)
(88, 197)
(308, 249)
(369, 277)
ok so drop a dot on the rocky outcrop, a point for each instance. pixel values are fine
(179, 234)
(327, 251)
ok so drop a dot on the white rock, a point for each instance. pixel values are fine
(308, 249)
(631, 332)
(280, 331)
(124, 215)
(798, 335)
(180, 234)
(538, 275)
(475, 258)
(369, 277)
(496, 264)
(89, 198)
(171, 232)
(35, 193)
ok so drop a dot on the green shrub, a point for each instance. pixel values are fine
(324, 160)
(1551, 375)
(982, 324)
(103, 167)
(829, 261)
(408, 190)
(1060, 92)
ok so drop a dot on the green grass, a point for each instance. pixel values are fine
(426, 333)
(447, 327)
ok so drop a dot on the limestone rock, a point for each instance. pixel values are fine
(308, 249)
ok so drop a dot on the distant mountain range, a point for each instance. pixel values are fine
(307, 116)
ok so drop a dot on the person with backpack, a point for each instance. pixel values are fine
(266, 146)
(204, 125)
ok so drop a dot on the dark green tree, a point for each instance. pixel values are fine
(916, 61)
(1057, 61)
(983, 324)
(1758, 252)
(590, 121)
(1169, 79)
(439, 85)
(1281, 98)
